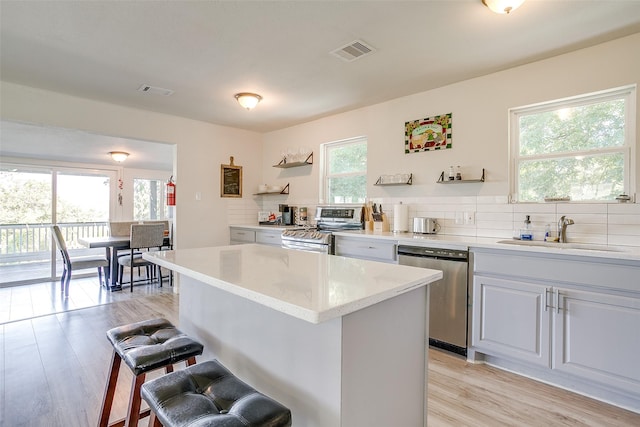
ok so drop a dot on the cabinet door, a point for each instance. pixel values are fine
(269, 238)
(511, 318)
(239, 236)
(375, 250)
(597, 337)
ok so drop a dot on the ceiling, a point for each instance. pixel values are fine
(206, 51)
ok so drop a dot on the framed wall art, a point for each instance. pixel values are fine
(230, 180)
(428, 134)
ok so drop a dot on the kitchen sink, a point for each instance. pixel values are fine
(581, 246)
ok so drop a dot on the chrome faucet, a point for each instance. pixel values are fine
(562, 228)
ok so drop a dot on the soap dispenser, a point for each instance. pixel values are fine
(525, 232)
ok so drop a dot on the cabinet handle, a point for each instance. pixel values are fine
(556, 294)
(546, 299)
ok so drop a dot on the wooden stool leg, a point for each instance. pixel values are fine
(191, 361)
(133, 414)
(154, 421)
(110, 390)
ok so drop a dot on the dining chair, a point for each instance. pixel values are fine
(77, 263)
(142, 237)
(120, 228)
(168, 242)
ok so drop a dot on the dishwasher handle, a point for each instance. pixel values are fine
(426, 252)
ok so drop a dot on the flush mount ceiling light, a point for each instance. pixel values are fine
(502, 6)
(248, 100)
(119, 156)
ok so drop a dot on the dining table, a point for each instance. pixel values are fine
(111, 244)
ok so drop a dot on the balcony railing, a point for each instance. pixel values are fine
(23, 245)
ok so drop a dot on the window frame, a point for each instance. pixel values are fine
(626, 93)
(325, 148)
(164, 213)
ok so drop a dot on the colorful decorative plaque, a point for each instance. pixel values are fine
(432, 133)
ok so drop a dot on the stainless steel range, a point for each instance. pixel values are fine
(328, 219)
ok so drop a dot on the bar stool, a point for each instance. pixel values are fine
(144, 346)
(208, 394)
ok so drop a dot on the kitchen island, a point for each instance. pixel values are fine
(339, 341)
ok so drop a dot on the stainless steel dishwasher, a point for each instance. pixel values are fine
(448, 296)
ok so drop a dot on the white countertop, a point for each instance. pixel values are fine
(630, 253)
(267, 227)
(310, 286)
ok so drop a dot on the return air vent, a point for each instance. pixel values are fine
(155, 90)
(352, 51)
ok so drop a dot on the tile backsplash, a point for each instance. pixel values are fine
(489, 216)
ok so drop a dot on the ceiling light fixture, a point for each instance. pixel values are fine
(248, 100)
(119, 156)
(503, 6)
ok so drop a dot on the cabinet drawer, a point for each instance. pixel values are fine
(242, 236)
(366, 249)
(269, 238)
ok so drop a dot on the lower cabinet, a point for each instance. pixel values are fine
(597, 336)
(240, 235)
(366, 248)
(511, 318)
(586, 331)
(269, 237)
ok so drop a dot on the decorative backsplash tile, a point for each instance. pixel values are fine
(494, 217)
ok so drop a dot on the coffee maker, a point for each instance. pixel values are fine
(287, 214)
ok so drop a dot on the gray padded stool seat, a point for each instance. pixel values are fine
(208, 394)
(144, 346)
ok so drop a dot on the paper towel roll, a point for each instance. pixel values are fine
(400, 217)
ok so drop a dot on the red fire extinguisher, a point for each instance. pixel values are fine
(171, 192)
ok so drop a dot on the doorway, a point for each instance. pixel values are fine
(34, 198)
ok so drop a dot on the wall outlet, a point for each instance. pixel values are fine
(459, 218)
(198, 195)
(469, 217)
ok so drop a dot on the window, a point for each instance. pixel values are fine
(344, 166)
(148, 199)
(581, 148)
(36, 196)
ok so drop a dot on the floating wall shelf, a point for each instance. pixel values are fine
(284, 165)
(407, 182)
(441, 180)
(285, 190)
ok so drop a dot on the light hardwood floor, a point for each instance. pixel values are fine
(28, 301)
(54, 367)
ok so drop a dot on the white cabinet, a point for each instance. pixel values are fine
(366, 248)
(510, 318)
(241, 235)
(269, 237)
(597, 337)
(248, 234)
(567, 320)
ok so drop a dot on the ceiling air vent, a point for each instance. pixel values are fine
(155, 90)
(352, 51)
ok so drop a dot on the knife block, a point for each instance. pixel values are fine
(381, 226)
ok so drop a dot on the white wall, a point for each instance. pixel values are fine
(200, 149)
(480, 140)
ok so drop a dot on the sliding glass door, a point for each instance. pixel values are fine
(34, 198)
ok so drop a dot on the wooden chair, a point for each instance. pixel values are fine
(143, 237)
(77, 263)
